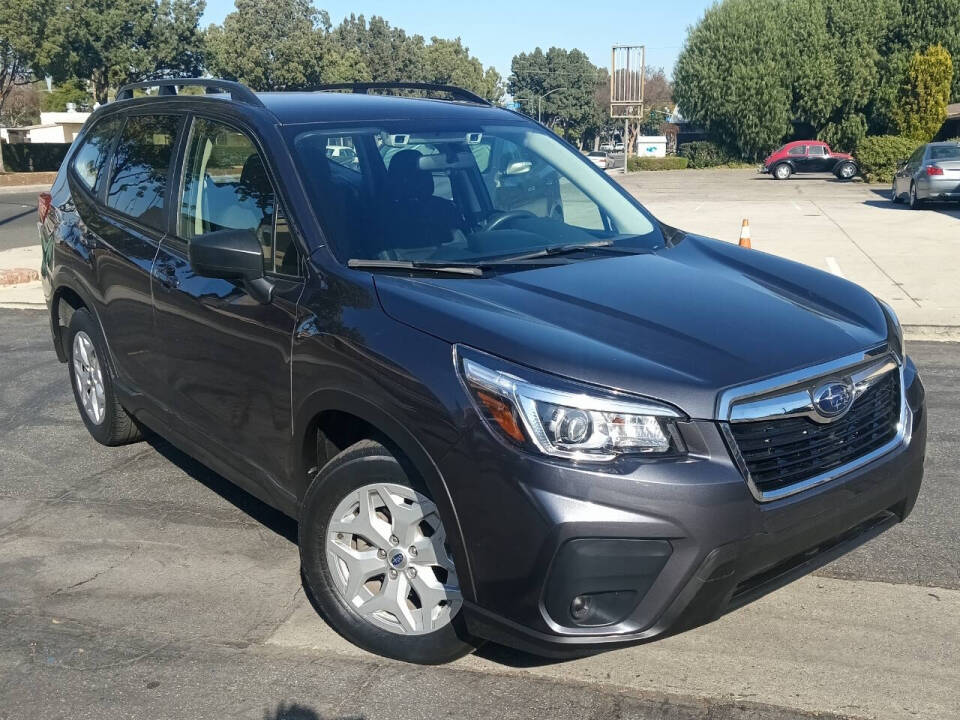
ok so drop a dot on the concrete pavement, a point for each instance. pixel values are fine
(135, 583)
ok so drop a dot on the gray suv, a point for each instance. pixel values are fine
(501, 399)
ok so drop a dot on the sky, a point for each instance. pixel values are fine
(496, 30)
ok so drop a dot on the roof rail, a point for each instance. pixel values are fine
(361, 88)
(168, 86)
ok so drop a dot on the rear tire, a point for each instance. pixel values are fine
(782, 172)
(915, 202)
(92, 384)
(336, 541)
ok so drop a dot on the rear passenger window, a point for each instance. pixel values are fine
(141, 162)
(226, 187)
(92, 155)
(798, 150)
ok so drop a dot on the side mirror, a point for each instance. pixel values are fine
(231, 255)
(519, 168)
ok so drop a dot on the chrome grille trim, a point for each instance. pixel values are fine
(789, 395)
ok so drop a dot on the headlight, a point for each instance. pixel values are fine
(896, 328)
(565, 423)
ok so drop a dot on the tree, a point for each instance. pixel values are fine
(925, 93)
(727, 79)
(750, 69)
(113, 42)
(929, 22)
(22, 27)
(448, 62)
(390, 54)
(71, 91)
(561, 86)
(267, 45)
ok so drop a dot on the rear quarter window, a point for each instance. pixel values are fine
(91, 157)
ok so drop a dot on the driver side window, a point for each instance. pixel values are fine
(226, 186)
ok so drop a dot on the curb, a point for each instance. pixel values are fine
(935, 333)
(18, 276)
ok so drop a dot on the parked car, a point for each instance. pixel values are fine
(804, 156)
(562, 431)
(600, 159)
(931, 173)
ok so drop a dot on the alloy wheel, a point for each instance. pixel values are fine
(847, 171)
(783, 172)
(386, 552)
(88, 377)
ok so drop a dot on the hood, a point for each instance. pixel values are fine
(678, 325)
(842, 156)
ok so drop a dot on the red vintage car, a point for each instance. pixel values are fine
(808, 156)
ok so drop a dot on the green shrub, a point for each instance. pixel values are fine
(704, 154)
(33, 157)
(922, 107)
(879, 155)
(658, 163)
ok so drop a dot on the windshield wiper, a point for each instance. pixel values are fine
(603, 245)
(438, 267)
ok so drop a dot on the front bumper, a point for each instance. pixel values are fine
(703, 544)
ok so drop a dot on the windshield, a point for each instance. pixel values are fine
(426, 191)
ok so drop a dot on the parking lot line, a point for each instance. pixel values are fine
(834, 267)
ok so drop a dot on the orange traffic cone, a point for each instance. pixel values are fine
(745, 233)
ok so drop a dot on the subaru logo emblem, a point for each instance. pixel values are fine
(833, 399)
(396, 559)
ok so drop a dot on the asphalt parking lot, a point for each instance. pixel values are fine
(138, 584)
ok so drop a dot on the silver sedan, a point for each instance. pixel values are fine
(931, 173)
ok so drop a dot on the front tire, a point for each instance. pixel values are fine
(92, 384)
(782, 172)
(846, 171)
(894, 196)
(374, 558)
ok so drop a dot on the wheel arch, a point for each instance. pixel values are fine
(65, 300)
(332, 419)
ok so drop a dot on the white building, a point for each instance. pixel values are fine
(54, 127)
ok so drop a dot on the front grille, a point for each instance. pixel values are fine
(781, 452)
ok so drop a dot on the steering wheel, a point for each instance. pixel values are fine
(499, 218)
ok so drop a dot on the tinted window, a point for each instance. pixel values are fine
(92, 155)
(141, 161)
(798, 150)
(226, 187)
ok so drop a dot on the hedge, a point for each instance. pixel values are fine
(704, 154)
(879, 155)
(34, 157)
(658, 163)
